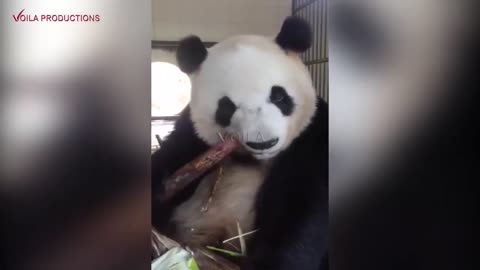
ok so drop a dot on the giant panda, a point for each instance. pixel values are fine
(258, 89)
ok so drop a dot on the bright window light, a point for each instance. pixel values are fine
(170, 94)
(170, 89)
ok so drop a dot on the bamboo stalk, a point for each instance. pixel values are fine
(194, 169)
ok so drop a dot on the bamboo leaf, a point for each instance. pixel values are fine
(225, 251)
(192, 264)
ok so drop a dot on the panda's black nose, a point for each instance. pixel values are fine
(262, 145)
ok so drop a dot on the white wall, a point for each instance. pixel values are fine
(214, 20)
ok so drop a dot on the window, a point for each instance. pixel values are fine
(170, 94)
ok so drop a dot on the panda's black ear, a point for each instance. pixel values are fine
(191, 52)
(295, 35)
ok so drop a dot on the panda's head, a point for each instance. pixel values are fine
(252, 87)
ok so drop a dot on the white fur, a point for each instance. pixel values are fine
(232, 201)
(245, 68)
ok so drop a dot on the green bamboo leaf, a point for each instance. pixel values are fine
(225, 251)
(192, 264)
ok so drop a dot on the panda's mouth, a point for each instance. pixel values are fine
(258, 149)
(264, 149)
(264, 145)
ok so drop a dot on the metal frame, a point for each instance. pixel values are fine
(299, 5)
(165, 118)
(172, 45)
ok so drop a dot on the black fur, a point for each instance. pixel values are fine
(225, 110)
(282, 100)
(292, 204)
(191, 53)
(181, 146)
(295, 35)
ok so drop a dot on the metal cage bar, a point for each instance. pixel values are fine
(316, 58)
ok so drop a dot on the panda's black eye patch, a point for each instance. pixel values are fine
(282, 100)
(225, 110)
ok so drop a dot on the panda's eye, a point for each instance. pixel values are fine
(225, 110)
(280, 98)
(277, 95)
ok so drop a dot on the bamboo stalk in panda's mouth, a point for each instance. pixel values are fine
(197, 167)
